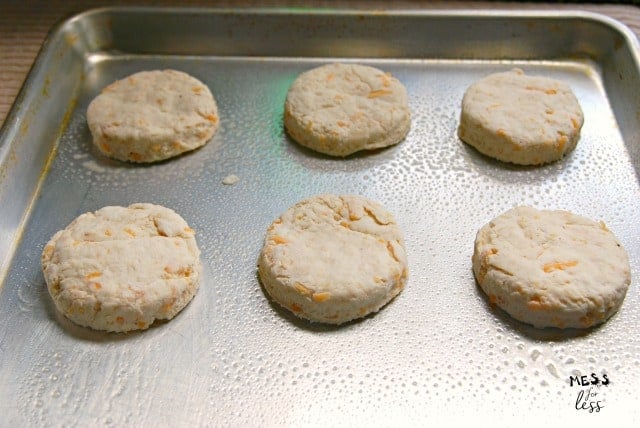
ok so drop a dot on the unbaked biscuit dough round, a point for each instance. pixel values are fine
(526, 120)
(551, 268)
(121, 268)
(152, 115)
(333, 259)
(339, 109)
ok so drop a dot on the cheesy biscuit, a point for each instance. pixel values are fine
(551, 268)
(119, 269)
(339, 109)
(152, 115)
(526, 120)
(333, 259)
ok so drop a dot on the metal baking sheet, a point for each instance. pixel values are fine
(439, 352)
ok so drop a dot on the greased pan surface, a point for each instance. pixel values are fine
(439, 352)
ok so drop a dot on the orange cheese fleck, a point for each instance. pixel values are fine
(135, 156)
(562, 140)
(48, 250)
(92, 275)
(386, 79)
(574, 123)
(321, 297)
(378, 93)
(301, 288)
(546, 91)
(277, 239)
(550, 267)
(536, 304)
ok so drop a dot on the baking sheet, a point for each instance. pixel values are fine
(439, 352)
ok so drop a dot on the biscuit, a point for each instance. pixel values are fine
(339, 109)
(119, 269)
(332, 259)
(551, 268)
(525, 120)
(152, 115)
